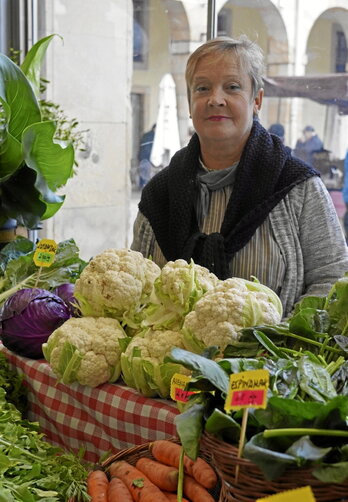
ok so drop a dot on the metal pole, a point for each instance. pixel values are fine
(212, 20)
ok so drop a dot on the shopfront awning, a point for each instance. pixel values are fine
(328, 89)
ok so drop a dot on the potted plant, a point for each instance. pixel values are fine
(34, 164)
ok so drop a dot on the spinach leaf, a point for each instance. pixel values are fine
(189, 426)
(315, 380)
(223, 426)
(305, 450)
(331, 473)
(266, 455)
(206, 367)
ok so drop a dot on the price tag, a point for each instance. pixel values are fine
(303, 494)
(45, 253)
(177, 388)
(247, 389)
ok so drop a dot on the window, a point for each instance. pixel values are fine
(140, 30)
(340, 52)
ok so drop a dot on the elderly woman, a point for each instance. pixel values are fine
(234, 199)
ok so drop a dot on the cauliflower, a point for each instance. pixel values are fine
(176, 290)
(115, 283)
(142, 363)
(223, 311)
(85, 350)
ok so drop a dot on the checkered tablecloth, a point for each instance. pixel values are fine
(102, 420)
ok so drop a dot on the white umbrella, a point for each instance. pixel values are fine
(166, 141)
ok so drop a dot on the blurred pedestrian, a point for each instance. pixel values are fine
(278, 130)
(307, 145)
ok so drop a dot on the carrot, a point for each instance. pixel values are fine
(168, 453)
(204, 474)
(141, 488)
(163, 476)
(118, 491)
(97, 486)
(195, 491)
(172, 497)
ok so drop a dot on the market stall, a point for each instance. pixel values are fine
(108, 418)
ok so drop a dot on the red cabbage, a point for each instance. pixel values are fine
(28, 317)
(66, 293)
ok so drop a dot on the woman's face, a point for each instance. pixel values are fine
(222, 105)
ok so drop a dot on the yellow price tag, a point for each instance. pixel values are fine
(177, 388)
(247, 389)
(45, 253)
(304, 494)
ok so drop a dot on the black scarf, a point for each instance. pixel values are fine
(265, 174)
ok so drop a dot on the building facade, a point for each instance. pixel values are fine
(106, 66)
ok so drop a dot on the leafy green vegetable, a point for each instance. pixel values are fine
(12, 383)
(21, 272)
(304, 423)
(30, 468)
(32, 163)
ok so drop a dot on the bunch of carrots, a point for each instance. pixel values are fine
(153, 480)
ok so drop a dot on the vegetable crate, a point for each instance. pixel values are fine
(131, 456)
(251, 484)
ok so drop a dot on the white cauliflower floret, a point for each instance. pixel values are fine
(205, 278)
(178, 287)
(142, 363)
(85, 350)
(114, 282)
(155, 344)
(222, 312)
(180, 280)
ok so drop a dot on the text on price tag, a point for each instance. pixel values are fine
(177, 388)
(247, 389)
(304, 494)
(45, 253)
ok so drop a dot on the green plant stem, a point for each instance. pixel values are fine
(269, 433)
(22, 284)
(313, 342)
(181, 475)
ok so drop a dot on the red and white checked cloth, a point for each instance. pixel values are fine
(103, 420)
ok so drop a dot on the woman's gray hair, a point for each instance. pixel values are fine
(248, 53)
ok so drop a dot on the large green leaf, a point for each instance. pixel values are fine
(11, 155)
(16, 91)
(31, 65)
(52, 162)
(205, 367)
(20, 199)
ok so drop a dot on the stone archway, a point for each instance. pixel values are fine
(332, 126)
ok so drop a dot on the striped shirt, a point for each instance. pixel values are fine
(251, 261)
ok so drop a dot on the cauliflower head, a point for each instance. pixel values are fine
(222, 312)
(86, 350)
(115, 282)
(142, 362)
(178, 287)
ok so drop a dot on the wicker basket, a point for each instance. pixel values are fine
(251, 483)
(131, 456)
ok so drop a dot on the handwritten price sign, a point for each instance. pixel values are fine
(248, 389)
(45, 253)
(304, 494)
(177, 388)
